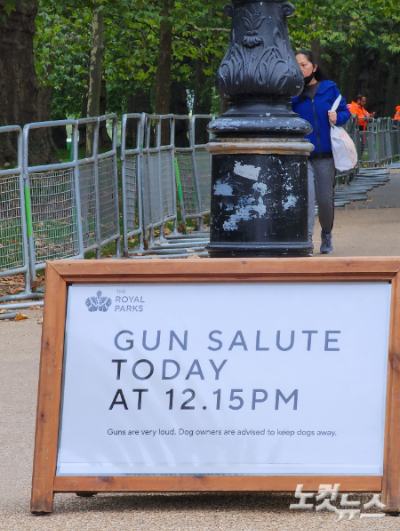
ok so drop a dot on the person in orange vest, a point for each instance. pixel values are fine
(397, 115)
(358, 108)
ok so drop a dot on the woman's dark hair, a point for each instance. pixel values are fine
(318, 75)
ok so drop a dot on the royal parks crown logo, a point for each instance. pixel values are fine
(98, 303)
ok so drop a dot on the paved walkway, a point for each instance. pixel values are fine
(364, 229)
(368, 228)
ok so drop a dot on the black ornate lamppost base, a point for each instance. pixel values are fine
(259, 193)
(259, 198)
(291, 250)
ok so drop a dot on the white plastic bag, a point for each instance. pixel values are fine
(343, 148)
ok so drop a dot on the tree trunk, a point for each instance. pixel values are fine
(19, 87)
(331, 69)
(104, 138)
(163, 77)
(395, 97)
(44, 115)
(393, 88)
(202, 102)
(139, 101)
(373, 77)
(179, 105)
(96, 69)
(351, 78)
(82, 128)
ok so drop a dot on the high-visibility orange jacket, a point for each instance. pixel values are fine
(397, 115)
(361, 113)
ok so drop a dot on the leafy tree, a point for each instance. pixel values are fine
(357, 43)
(19, 87)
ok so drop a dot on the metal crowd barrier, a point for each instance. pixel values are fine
(65, 210)
(53, 205)
(368, 154)
(57, 211)
(187, 184)
(153, 175)
(14, 252)
(375, 149)
(384, 144)
(379, 145)
(193, 167)
(73, 205)
(395, 140)
(98, 188)
(158, 183)
(131, 169)
(202, 164)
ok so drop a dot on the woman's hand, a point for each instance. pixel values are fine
(332, 115)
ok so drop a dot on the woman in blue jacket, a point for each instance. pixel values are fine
(314, 105)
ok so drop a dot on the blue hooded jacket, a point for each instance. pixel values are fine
(316, 112)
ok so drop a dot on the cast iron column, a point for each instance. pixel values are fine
(259, 154)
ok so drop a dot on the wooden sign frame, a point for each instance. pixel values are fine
(60, 274)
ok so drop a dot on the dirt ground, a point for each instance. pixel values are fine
(358, 232)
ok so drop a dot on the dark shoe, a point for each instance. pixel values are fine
(310, 243)
(326, 243)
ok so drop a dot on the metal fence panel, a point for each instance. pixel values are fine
(88, 203)
(385, 123)
(168, 188)
(189, 198)
(190, 202)
(369, 148)
(53, 211)
(12, 256)
(131, 168)
(194, 165)
(203, 171)
(108, 189)
(13, 226)
(381, 139)
(54, 206)
(202, 160)
(98, 177)
(152, 189)
(108, 199)
(14, 251)
(158, 178)
(395, 138)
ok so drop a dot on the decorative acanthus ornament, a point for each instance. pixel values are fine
(259, 73)
(259, 61)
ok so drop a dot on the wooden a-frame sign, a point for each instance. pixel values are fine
(216, 274)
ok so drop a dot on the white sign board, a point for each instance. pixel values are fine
(214, 379)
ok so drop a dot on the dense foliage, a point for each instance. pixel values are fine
(343, 24)
(131, 35)
(345, 31)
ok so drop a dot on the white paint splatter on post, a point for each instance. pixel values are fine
(247, 171)
(245, 211)
(290, 202)
(261, 188)
(222, 189)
